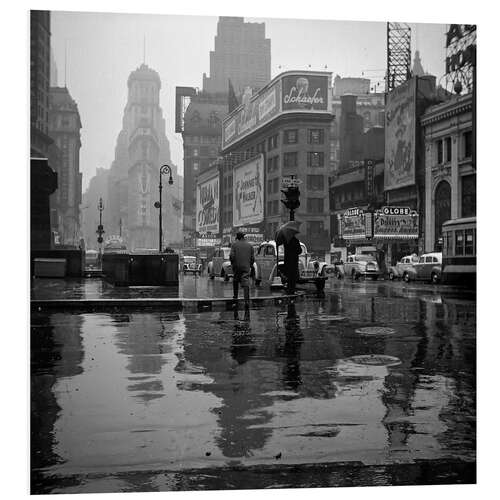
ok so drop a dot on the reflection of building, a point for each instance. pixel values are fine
(242, 53)
(64, 129)
(141, 148)
(288, 122)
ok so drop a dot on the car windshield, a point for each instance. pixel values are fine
(189, 258)
(364, 258)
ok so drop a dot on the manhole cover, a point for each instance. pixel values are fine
(375, 330)
(331, 317)
(374, 360)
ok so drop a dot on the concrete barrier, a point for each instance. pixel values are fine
(75, 260)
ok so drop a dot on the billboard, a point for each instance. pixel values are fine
(400, 136)
(395, 223)
(288, 92)
(207, 205)
(353, 224)
(253, 113)
(248, 196)
(305, 92)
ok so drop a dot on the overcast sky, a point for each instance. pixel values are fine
(103, 49)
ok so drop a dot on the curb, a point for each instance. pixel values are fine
(188, 305)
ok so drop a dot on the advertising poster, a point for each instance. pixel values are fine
(395, 223)
(353, 224)
(207, 206)
(305, 92)
(248, 197)
(255, 112)
(400, 136)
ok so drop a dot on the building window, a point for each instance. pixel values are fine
(447, 142)
(315, 182)
(291, 136)
(315, 159)
(469, 242)
(272, 142)
(261, 147)
(315, 205)
(269, 186)
(315, 227)
(459, 242)
(467, 144)
(272, 164)
(290, 159)
(439, 151)
(316, 136)
(469, 195)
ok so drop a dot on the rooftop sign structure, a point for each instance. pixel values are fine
(289, 92)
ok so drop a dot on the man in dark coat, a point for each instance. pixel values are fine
(242, 259)
(291, 262)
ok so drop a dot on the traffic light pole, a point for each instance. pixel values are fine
(100, 230)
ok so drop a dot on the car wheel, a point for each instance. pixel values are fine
(224, 275)
(391, 276)
(257, 282)
(212, 276)
(406, 277)
(320, 285)
(434, 278)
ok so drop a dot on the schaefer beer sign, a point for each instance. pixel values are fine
(207, 206)
(305, 92)
(395, 223)
(248, 197)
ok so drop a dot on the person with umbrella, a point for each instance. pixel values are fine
(286, 236)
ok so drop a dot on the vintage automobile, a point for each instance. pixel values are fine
(407, 263)
(220, 264)
(267, 262)
(361, 265)
(428, 268)
(191, 264)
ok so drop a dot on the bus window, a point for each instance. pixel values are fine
(459, 242)
(469, 242)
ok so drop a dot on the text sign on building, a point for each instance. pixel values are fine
(304, 92)
(395, 223)
(400, 136)
(254, 113)
(248, 196)
(353, 224)
(207, 206)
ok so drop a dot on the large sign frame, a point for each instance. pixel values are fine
(396, 223)
(207, 205)
(289, 92)
(248, 192)
(400, 136)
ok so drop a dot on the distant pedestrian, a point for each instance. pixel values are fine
(242, 259)
(291, 262)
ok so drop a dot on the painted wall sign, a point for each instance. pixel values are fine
(207, 206)
(400, 136)
(248, 196)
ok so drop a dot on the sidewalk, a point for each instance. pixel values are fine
(95, 293)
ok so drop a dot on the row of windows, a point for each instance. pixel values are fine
(291, 136)
(464, 240)
(443, 150)
(315, 159)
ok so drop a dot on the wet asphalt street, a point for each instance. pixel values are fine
(373, 383)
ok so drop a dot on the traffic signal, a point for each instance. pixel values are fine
(292, 197)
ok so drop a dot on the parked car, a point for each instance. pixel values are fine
(220, 264)
(361, 265)
(266, 263)
(406, 264)
(191, 265)
(428, 268)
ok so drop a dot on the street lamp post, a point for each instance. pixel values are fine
(100, 229)
(164, 169)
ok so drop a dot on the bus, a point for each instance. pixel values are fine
(459, 252)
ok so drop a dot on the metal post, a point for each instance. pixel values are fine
(160, 237)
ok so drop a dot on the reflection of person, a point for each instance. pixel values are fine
(291, 262)
(242, 259)
(242, 347)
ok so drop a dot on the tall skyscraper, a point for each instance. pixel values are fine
(64, 129)
(141, 148)
(242, 53)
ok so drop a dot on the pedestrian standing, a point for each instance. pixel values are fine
(291, 262)
(242, 259)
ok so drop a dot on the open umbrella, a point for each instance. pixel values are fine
(287, 231)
